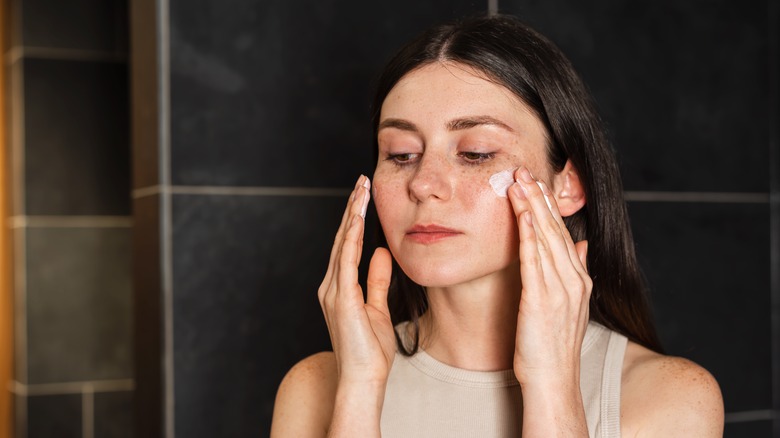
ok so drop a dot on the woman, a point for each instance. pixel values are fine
(513, 310)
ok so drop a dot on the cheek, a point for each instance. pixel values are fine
(494, 217)
(386, 193)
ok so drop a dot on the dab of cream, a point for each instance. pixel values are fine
(501, 182)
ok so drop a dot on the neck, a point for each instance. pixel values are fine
(473, 325)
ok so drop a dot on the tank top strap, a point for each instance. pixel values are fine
(610, 389)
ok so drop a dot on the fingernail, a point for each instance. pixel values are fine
(367, 183)
(518, 190)
(364, 207)
(526, 176)
(528, 218)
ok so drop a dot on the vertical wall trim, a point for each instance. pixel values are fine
(164, 90)
(492, 7)
(19, 254)
(774, 204)
(88, 412)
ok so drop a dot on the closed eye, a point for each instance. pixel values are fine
(476, 157)
(402, 159)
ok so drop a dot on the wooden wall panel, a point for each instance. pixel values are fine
(6, 312)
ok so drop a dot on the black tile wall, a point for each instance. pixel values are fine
(113, 414)
(54, 416)
(76, 24)
(246, 272)
(77, 148)
(264, 95)
(682, 85)
(78, 304)
(708, 270)
(750, 429)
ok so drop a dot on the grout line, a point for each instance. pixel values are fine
(21, 389)
(746, 416)
(163, 95)
(88, 412)
(70, 222)
(146, 192)
(724, 197)
(73, 54)
(637, 196)
(12, 55)
(773, 51)
(259, 191)
(492, 7)
(239, 191)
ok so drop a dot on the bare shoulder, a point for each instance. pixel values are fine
(304, 401)
(668, 396)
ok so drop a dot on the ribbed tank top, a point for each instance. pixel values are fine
(427, 398)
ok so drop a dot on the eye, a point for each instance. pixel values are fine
(476, 157)
(402, 159)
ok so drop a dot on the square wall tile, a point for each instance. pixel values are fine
(77, 149)
(80, 24)
(246, 273)
(264, 95)
(78, 304)
(114, 414)
(683, 86)
(707, 266)
(54, 416)
(749, 429)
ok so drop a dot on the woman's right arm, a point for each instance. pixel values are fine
(341, 394)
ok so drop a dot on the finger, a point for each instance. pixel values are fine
(348, 261)
(530, 263)
(564, 231)
(380, 271)
(549, 230)
(353, 204)
(582, 252)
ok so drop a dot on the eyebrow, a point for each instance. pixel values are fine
(474, 121)
(453, 125)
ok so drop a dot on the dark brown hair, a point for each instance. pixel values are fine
(515, 56)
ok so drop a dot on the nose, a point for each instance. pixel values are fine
(431, 180)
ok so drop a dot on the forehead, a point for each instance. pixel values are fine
(448, 90)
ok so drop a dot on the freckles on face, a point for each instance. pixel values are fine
(444, 130)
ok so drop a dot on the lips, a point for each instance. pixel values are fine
(426, 234)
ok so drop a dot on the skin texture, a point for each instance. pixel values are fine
(508, 288)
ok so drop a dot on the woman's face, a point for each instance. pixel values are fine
(444, 130)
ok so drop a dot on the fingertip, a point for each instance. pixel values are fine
(528, 218)
(582, 252)
(517, 191)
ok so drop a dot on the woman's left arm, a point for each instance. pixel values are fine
(660, 396)
(553, 314)
(668, 396)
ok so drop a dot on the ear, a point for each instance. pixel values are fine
(568, 190)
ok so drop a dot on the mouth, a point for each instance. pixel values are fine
(427, 234)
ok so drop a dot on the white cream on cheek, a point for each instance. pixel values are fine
(501, 181)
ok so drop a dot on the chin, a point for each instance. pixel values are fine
(435, 276)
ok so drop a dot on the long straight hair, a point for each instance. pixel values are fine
(518, 58)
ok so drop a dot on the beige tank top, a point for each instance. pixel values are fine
(427, 398)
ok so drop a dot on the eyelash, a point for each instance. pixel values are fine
(470, 158)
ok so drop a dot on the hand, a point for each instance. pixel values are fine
(553, 312)
(361, 332)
